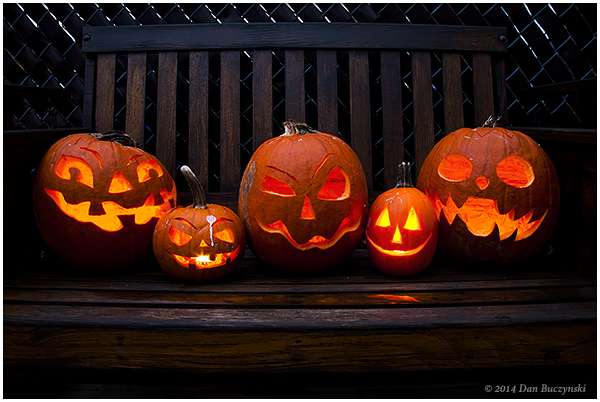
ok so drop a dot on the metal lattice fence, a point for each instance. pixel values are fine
(548, 43)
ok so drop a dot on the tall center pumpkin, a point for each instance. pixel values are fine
(303, 200)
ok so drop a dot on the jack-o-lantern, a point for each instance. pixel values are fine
(201, 242)
(303, 200)
(97, 199)
(402, 228)
(495, 192)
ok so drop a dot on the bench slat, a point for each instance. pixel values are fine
(166, 108)
(483, 91)
(105, 92)
(327, 91)
(293, 36)
(294, 86)
(453, 96)
(262, 92)
(136, 96)
(230, 120)
(360, 110)
(198, 120)
(423, 107)
(393, 127)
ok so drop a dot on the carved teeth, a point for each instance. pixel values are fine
(481, 215)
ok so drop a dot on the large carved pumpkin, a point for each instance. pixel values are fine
(303, 200)
(495, 192)
(201, 242)
(96, 201)
(402, 228)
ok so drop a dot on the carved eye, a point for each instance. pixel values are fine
(274, 186)
(455, 167)
(119, 184)
(336, 187)
(412, 223)
(144, 168)
(515, 171)
(178, 237)
(225, 235)
(384, 219)
(66, 162)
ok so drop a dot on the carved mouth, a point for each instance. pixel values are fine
(399, 253)
(481, 215)
(317, 241)
(110, 221)
(206, 261)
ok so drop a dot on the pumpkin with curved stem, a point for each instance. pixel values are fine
(201, 242)
(97, 198)
(495, 192)
(402, 228)
(303, 200)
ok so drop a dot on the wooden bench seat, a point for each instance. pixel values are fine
(353, 331)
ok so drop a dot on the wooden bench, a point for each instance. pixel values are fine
(351, 332)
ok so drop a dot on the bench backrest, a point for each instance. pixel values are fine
(411, 63)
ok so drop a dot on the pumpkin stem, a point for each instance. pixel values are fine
(197, 191)
(117, 136)
(291, 128)
(404, 179)
(492, 121)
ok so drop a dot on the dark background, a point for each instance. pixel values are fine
(548, 44)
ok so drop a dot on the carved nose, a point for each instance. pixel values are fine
(307, 210)
(482, 182)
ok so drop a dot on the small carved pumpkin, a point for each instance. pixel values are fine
(201, 242)
(495, 192)
(303, 200)
(97, 199)
(402, 228)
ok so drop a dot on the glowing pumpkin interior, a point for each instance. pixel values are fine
(68, 166)
(481, 215)
(206, 256)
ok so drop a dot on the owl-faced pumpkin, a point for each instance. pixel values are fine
(97, 201)
(495, 192)
(303, 200)
(402, 229)
(200, 242)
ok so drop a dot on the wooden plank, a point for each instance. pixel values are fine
(262, 97)
(88, 93)
(105, 92)
(166, 109)
(423, 107)
(501, 97)
(360, 110)
(453, 96)
(293, 36)
(198, 120)
(301, 339)
(327, 91)
(295, 97)
(483, 90)
(393, 127)
(230, 121)
(136, 97)
(309, 298)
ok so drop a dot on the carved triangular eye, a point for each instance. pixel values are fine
(178, 237)
(119, 184)
(412, 223)
(274, 186)
(336, 187)
(384, 219)
(226, 235)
